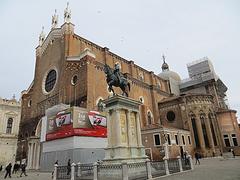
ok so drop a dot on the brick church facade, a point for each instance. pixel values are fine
(69, 70)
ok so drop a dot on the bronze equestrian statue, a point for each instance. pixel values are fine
(117, 79)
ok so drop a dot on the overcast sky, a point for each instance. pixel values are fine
(138, 30)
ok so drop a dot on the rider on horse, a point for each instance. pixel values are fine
(117, 72)
(117, 79)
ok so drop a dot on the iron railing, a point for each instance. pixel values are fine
(158, 168)
(173, 166)
(63, 172)
(84, 171)
(136, 171)
(186, 164)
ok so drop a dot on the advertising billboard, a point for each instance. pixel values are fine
(76, 121)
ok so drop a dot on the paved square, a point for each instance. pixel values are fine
(210, 169)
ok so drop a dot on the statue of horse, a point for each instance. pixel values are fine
(116, 80)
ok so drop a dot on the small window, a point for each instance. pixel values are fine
(29, 103)
(141, 99)
(169, 139)
(189, 140)
(234, 139)
(74, 80)
(157, 141)
(176, 139)
(9, 126)
(183, 140)
(225, 136)
(226, 140)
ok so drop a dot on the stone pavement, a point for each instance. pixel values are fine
(210, 169)
(32, 175)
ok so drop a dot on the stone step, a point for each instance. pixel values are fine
(227, 155)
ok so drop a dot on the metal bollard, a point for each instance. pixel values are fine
(55, 172)
(166, 166)
(149, 170)
(124, 171)
(73, 177)
(79, 170)
(180, 163)
(191, 161)
(95, 171)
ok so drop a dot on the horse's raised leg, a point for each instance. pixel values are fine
(110, 89)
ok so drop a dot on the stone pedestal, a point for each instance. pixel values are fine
(124, 151)
(124, 131)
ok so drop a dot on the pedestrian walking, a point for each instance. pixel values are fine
(15, 168)
(23, 167)
(56, 163)
(0, 168)
(69, 167)
(233, 153)
(8, 170)
(186, 157)
(197, 157)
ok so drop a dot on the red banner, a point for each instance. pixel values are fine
(68, 131)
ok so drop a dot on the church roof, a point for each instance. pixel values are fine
(167, 75)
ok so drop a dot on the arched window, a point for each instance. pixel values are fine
(210, 117)
(9, 125)
(195, 133)
(204, 130)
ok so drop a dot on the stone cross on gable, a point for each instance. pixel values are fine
(163, 57)
(67, 14)
(54, 20)
(41, 37)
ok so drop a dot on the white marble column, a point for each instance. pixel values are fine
(118, 127)
(129, 129)
(109, 133)
(33, 155)
(138, 126)
(37, 156)
(30, 156)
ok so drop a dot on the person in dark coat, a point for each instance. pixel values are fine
(69, 167)
(23, 167)
(197, 157)
(0, 168)
(15, 168)
(8, 170)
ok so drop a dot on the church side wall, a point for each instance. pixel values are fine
(96, 82)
